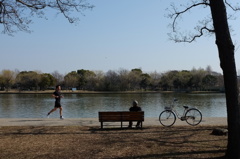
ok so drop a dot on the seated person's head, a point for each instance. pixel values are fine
(135, 103)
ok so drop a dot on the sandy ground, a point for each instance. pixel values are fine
(213, 121)
(82, 138)
(83, 142)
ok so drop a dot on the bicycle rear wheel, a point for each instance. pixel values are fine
(167, 118)
(193, 116)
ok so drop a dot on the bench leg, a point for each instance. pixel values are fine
(101, 125)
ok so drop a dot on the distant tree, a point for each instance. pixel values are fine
(155, 80)
(197, 76)
(217, 24)
(111, 81)
(92, 81)
(99, 80)
(71, 80)
(28, 80)
(15, 15)
(184, 78)
(145, 81)
(7, 78)
(209, 81)
(84, 78)
(137, 70)
(59, 78)
(124, 80)
(164, 84)
(135, 79)
(46, 81)
(209, 69)
(172, 79)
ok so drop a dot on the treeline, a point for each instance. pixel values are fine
(121, 80)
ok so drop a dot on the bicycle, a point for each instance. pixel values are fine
(191, 115)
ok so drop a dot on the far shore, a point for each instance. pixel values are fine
(101, 92)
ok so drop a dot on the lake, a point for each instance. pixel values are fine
(88, 105)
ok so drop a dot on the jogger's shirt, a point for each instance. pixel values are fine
(57, 101)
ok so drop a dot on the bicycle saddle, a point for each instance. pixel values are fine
(186, 107)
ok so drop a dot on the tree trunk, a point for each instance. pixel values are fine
(227, 63)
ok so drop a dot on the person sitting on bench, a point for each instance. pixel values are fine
(135, 108)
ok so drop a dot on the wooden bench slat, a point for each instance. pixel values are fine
(120, 116)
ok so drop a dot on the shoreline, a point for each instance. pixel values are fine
(105, 92)
(206, 121)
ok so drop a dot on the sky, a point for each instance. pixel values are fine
(114, 35)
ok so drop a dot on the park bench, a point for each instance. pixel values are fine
(120, 116)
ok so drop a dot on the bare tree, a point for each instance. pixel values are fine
(123, 75)
(58, 77)
(15, 15)
(209, 69)
(217, 23)
(8, 78)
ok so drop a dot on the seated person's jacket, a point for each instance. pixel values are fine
(135, 109)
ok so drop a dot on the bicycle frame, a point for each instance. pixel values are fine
(172, 108)
(191, 115)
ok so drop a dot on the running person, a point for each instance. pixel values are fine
(57, 95)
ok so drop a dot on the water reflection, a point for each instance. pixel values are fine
(88, 105)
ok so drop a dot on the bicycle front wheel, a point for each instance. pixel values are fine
(193, 116)
(167, 118)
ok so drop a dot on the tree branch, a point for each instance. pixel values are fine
(12, 12)
(201, 28)
(233, 8)
(192, 38)
(177, 14)
(35, 6)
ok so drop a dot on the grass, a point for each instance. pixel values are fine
(75, 142)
